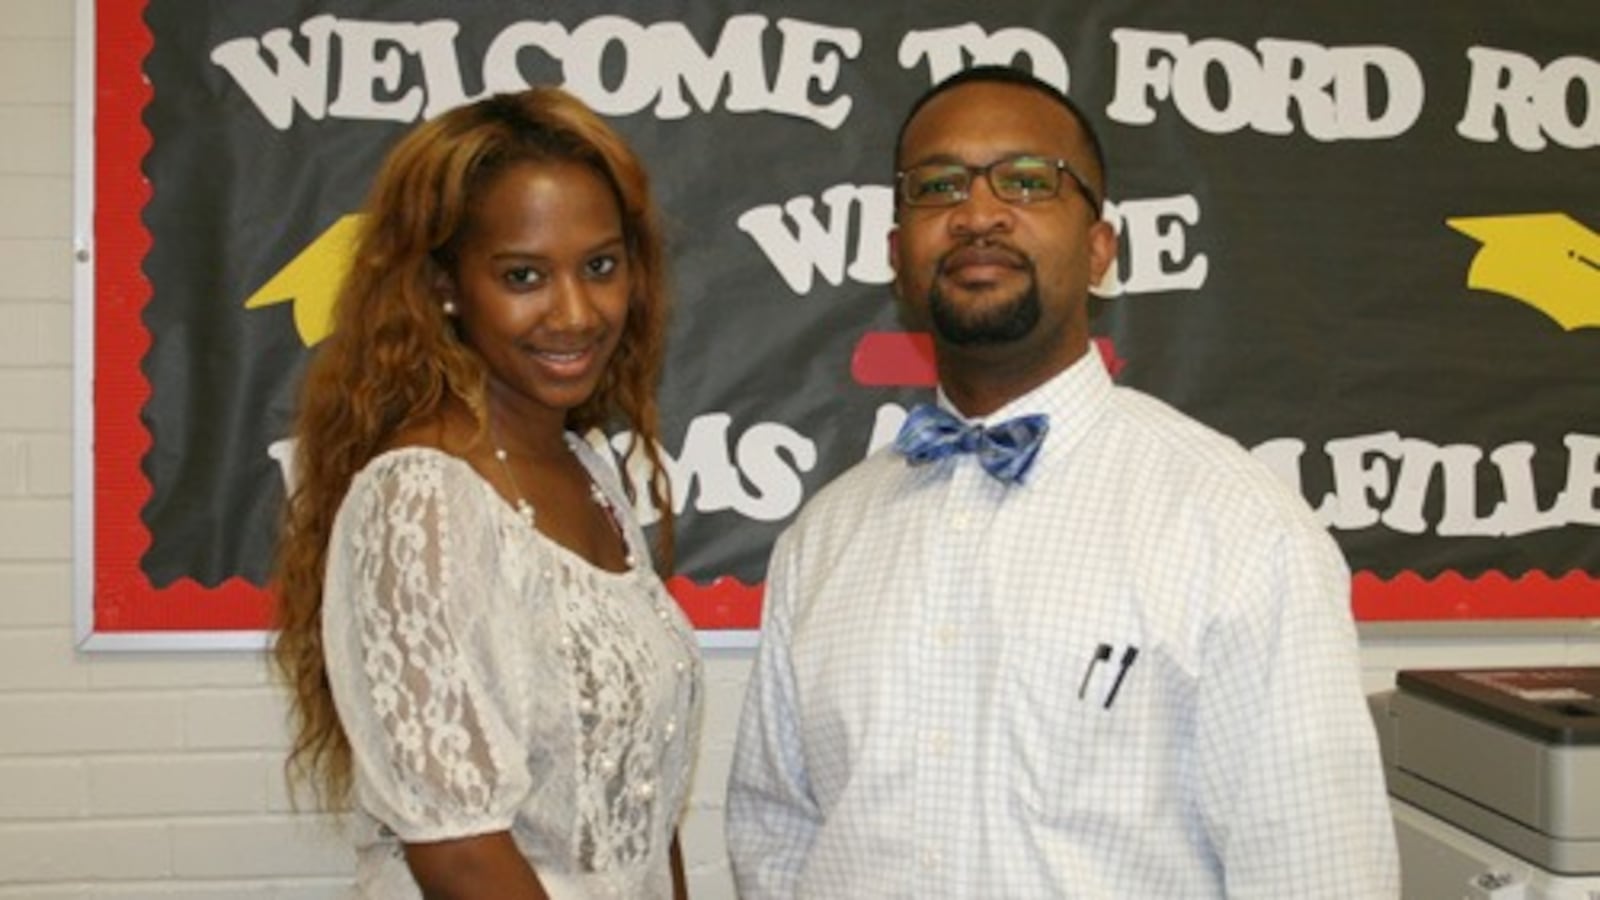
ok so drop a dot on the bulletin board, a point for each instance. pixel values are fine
(1358, 239)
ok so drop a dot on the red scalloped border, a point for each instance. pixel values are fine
(124, 599)
(730, 603)
(1453, 597)
(725, 604)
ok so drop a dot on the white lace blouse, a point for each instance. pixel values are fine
(490, 679)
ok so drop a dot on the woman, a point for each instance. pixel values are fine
(481, 656)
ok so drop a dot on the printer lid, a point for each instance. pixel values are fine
(1557, 705)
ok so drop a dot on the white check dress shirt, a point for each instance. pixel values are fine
(935, 709)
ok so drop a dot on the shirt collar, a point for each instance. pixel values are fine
(1073, 398)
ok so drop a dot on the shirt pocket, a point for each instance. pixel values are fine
(1076, 716)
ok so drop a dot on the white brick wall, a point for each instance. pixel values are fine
(134, 777)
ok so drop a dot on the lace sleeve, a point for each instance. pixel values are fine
(406, 609)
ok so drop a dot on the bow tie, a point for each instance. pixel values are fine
(1005, 450)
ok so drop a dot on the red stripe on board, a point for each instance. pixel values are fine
(894, 359)
(905, 359)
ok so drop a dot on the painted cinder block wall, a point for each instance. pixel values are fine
(157, 775)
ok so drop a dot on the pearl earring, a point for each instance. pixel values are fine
(449, 307)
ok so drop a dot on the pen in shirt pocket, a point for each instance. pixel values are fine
(1128, 656)
(1103, 653)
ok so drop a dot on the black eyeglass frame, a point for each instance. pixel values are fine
(986, 171)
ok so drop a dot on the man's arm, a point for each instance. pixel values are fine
(772, 817)
(1291, 782)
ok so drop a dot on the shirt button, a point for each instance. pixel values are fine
(930, 859)
(646, 790)
(959, 521)
(671, 727)
(939, 742)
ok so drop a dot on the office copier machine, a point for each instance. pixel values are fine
(1495, 781)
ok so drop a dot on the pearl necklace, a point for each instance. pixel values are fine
(596, 494)
(524, 508)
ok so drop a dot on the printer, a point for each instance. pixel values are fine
(1495, 775)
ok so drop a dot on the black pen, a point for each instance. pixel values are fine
(1128, 656)
(1101, 654)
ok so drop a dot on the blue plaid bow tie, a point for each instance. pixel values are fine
(1005, 450)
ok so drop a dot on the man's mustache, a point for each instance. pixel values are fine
(984, 251)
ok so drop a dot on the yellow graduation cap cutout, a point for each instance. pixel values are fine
(1549, 261)
(312, 279)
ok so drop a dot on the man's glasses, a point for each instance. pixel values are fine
(1015, 179)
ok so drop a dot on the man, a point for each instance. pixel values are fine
(1116, 663)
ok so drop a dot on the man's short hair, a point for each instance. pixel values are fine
(990, 74)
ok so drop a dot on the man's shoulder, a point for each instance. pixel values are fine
(1199, 456)
(877, 471)
(1161, 419)
(839, 506)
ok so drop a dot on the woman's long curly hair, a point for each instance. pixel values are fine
(393, 359)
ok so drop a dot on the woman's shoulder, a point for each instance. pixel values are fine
(407, 475)
(438, 443)
(433, 450)
(445, 430)
(390, 461)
